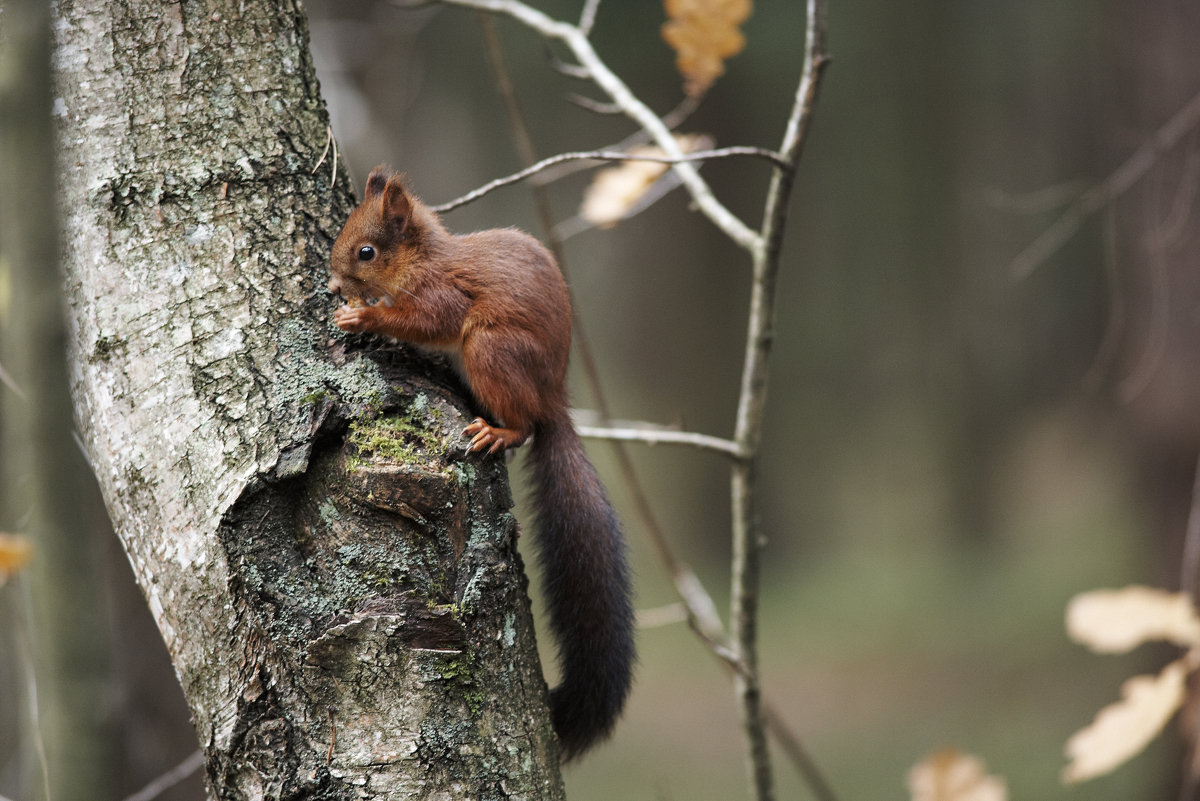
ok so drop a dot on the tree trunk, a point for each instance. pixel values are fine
(337, 585)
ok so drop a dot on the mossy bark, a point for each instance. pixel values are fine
(347, 620)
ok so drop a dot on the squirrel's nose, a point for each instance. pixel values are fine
(335, 286)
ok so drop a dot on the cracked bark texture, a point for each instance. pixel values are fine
(338, 586)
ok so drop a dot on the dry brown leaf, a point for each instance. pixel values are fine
(615, 190)
(1116, 621)
(15, 552)
(951, 775)
(1123, 729)
(704, 33)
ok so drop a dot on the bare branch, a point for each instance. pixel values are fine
(1093, 200)
(573, 226)
(635, 109)
(1167, 233)
(1038, 201)
(171, 778)
(588, 18)
(569, 70)
(594, 106)
(660, 436)
(607, 155)
(678, 115)
(798, 754)
(672, 119)
(526, 15)
(1158, 335)
(745, 574)
(661, 616)
(8, 381)
(1115, 323)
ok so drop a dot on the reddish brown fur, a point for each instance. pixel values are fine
(497, 297)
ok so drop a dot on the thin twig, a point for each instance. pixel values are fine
(1168, 232)
(672, 119)
(608, 155)
(634, 108)
(570, 70)
(588, 18)
(775, 722)
(661, 616)
(662, 186)
(169, 779)
(27, 645)
(798, 754)
(1158, 333)
(8, 381)
(661, 436)
(594, 106)
(679, 115)
(1114, 324)
(1037, 201)
(747, 539)
(1093, 200)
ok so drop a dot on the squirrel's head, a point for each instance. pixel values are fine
(382, 237)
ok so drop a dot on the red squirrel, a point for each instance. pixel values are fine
(497, 300)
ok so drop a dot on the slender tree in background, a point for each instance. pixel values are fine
(44, 475)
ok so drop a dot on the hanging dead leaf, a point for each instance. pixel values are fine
(951, 775)
(1123, 729)
(704, 33)
(15, 552)
(1116, 621)
(616, 190)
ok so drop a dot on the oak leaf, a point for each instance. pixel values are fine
(1121, 730)
(1116, 621)
(615, 191)
(951, 775)
(704, 33)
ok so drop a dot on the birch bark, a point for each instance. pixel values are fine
(347, 614)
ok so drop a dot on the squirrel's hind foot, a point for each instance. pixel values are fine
(492, 438)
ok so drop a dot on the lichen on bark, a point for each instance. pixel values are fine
(344, 625)
(391, 595)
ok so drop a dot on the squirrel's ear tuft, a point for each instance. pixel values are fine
(397, 206)
(377, 180)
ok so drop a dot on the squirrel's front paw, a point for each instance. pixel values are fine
(353, 319)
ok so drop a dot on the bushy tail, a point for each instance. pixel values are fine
(587, 587)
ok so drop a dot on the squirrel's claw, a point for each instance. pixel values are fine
(482, 436)
(493, 439)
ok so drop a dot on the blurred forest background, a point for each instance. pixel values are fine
(954, 450)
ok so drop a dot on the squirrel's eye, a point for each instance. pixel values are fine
(366, 253)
